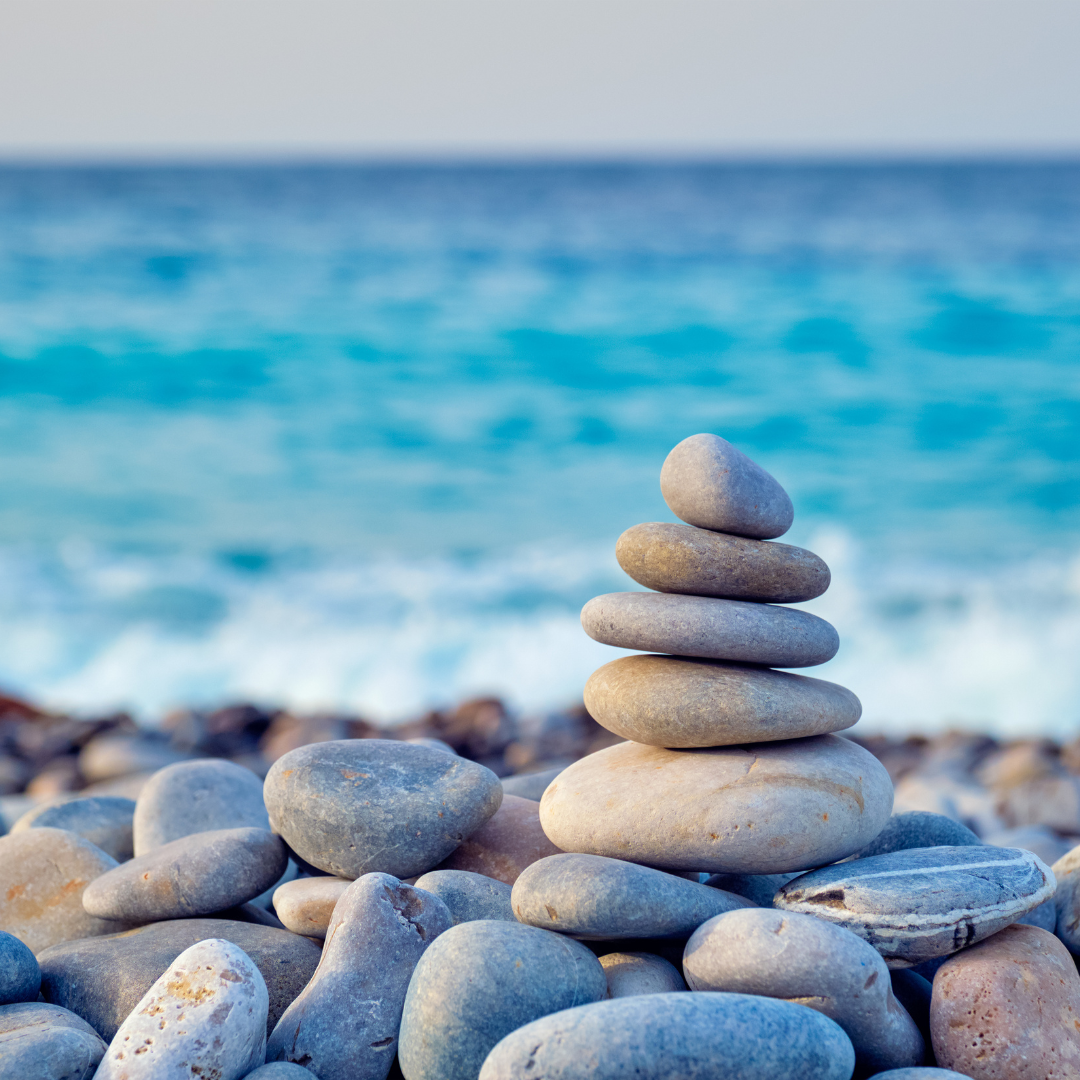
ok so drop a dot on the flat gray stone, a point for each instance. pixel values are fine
(681, 559)
(358, 806)
(923, 903)
(598, 899)
(102, 979)
(708, 483)
(196, 875)
(306, 905)
(915, 993)
(530, 785)
(768, 808)
(469, 896)
(344, 1024)
(713, 629)
(919, 829)
(676, 1037)
(759, 889)
(205, 1017)
(194, 797)
(630, 974)
(44, 1042)
(781, 954)
(676, 702)
(1067, 900)
(20, 976)
(104, 820)
(478, 982)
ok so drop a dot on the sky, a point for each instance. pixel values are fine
(91, 79)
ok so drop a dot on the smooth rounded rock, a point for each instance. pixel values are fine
(469, 896)
(279, 1070)
(709, 483)
(530, 785)
(759, 889)
(919, 1072)
(478, 982)
(914, 992)
(205, 1017)
(919, 829)
(357, 806)
(106, 821)
(1067, 899)
(44, 1042)
(922, 903)
(20, 976)
(675, 702)
(599, 899)
(701, 1036)
(681, 559)
(814, 963)
(195, 797)
(344, 1025)
(713, 629)
(306, 905)
(1009, 1009)
(196, 875)
(44, 873)
(630, 974)
(110, 757)
(768, 808)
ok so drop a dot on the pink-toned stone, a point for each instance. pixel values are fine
(306, 905)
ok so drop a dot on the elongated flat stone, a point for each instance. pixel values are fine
(923, 903)
(305, 906)
(105, 821)
(44, 1042)
(676, 702)
(708, 483)
(768, 808)
(713, 629)
(632, 973)
(681, 559)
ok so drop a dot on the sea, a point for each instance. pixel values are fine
(361, 437)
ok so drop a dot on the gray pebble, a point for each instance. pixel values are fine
(915, 993)
(708, 483)
(469, 896)
(923, 903)
(530, 785)
(109, 757)
(44, 1042)
(918, 829)
(700, 1036)
(279, 1070)
(20, 976)
(1038, 838)
(383, 805)
(919, 1072)
(599, 899)
(345, 1023)
(825, 967)
(104, 820)
(196, 875)
(759, 889)
(482, 980)
(1067, 900)
(632, 973)
(431, 744)
(714, 629)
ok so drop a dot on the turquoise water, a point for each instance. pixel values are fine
(364, 438)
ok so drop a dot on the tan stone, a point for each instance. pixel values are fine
(305, 906)
(632, 973)
(1009, 1009)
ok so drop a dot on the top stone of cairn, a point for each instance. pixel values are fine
(708, 483)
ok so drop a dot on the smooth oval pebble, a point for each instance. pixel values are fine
(195, 797)
(205, 1017)
(919, 1072)
(714, 629)
(478, 982)
(279, 1070)
(919, 829)
(196, 875)
(106, 821)
(1067, 899)
(709, 483)
(632, 973)
(759, 889)
(469, 896)
(799, 958)
(676, 702)
(306, 905)
(20, 976)
(45, 1042)
(682, 559)
(676, 1037)
(768, 808)
(357, 806)
(597, 899)
(922, 903)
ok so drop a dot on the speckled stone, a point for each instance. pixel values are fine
(759, 889)
(43, 1042)
(102, 979)
(676, 1037)
(196, 875)
(799, 958)
(344, 1024)
(44, 872)
(481, 980)
(195, 797)
(305, 906)
(205, 1017)
(598, 899)
(919, 829)
(768, 808)
(630, 974)
(681, 559)
(505, 844)
(708, 483)
(103, 820)
(469, 896)
(1066, 899)
(530, 785)
(20, 976)
(675, 702)
(358, 806)
(1009, 1009)
(923, 903)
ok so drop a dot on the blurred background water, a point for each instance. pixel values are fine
(363, 437)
